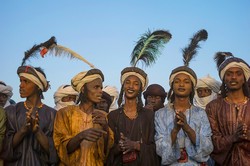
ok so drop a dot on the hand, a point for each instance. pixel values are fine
(149, 106)
(239, 133)
(27, 126)
(181, 119)
(92, 134)
(99, 117)
(245, 132)
(35, 123)
(127, 145)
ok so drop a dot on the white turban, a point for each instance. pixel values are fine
(209, 82)
(241, 65)
(143, 80)
(80, 79)
(113, 92)
(61, 92)
(6, 89)
(206, 82)
(171, 79)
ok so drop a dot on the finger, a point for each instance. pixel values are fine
(99, 131)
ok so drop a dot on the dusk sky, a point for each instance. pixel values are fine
(105, 33)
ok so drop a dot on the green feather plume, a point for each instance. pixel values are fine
(147, 48)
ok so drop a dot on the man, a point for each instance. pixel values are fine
(113, 92)
(28, 139)
(64, 96)
(132, 125)
(105, 102)
(154, 96)
(2, 130)
(183, 133)
(206, 90)
(5, 94)
(229, 115)
(81, 135)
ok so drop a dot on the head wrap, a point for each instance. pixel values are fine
(113, 92)
(107, 97)
(6, 89)
(135, 71)
(35, 76)
(234, 62)
(155, 90)
(82, 78)
(184, 70)
(209, 82)
(63, 91)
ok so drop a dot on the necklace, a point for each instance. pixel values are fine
(237, 103)
(30, 108)
(132, 117)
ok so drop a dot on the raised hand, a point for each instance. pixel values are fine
(35, 122)
(99, 117)
(92, 134)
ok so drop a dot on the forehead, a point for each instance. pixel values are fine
(132, 78)
(96, 81)
(182, 76)
(234, 69)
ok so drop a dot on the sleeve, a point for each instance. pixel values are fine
(62, 136)
(148, 149)
(164, 148)
(222, 144)
(2, 126)
(8, 152)
(201, 150)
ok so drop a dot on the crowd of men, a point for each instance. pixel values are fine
(197, 122)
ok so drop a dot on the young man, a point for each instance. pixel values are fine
(206, 90)
(5, 94)
(105, 102)
(64, 96)
(28, 139)
(132, 125)
(154, 96)
(82, 135)
(113, 92)
(183, 133)
(229, 115)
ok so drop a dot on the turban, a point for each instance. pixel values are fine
(184, 70)
(113, 92)
(82, 78)
(34, 76)
(234, 62)
(6, 89)
(155, 90)
(107, 97)
(209, 82)
(134, 71)
(61, 92)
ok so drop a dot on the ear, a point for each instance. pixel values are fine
(82, 89)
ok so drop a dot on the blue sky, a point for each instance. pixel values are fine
(105, 33)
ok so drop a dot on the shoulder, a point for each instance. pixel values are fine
(114, 113)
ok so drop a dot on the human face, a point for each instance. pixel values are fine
(203, 92)
(182, 85)
(131, 88)
(234, 78)
(155, 101)
(3, 99)
(103, 105)
(94, 90)
(27, 88)
(69, 98)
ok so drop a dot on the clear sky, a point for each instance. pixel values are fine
(105, 33)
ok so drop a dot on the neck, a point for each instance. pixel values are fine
(130, 105)
(181, 103)
(32, 102)
(87, 107)
(236, 97)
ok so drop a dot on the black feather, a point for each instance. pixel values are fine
(190, 51)
(33, 52)
(219, 57)
(147, 48)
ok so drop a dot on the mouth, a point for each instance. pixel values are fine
(181, 89)
(233, 83)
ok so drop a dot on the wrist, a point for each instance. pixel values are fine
(137, 146)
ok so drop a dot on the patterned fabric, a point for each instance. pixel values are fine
(198, 121)
(69, 122)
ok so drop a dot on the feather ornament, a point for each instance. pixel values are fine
(51, 47)
(221, 57)
(190, 51)
(147, 48)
